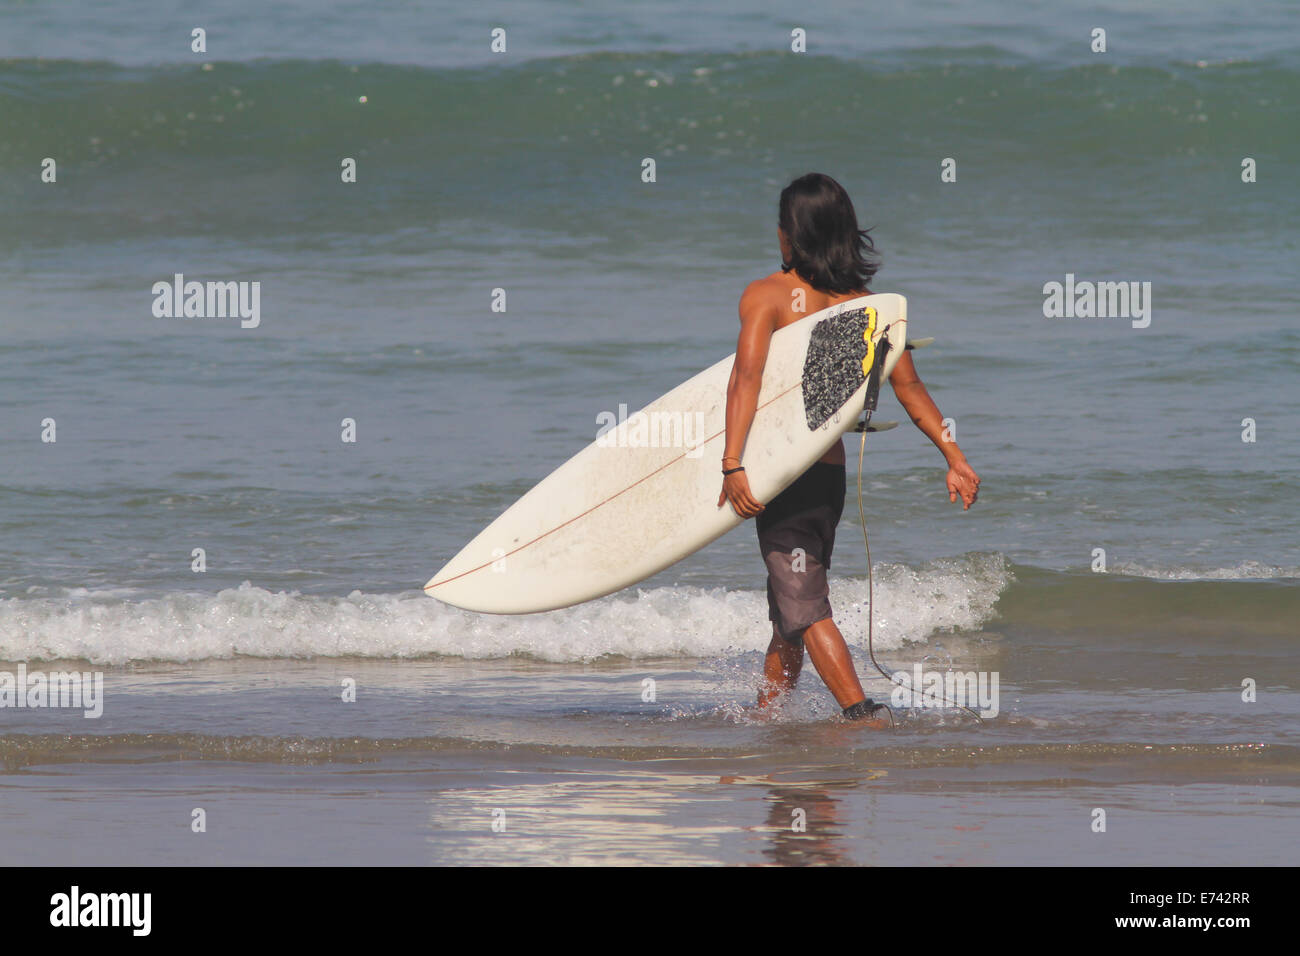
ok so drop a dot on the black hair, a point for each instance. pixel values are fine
(827, 249)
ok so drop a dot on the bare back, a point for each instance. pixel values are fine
(783, 293)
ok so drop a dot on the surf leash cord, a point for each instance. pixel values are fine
(863, 426)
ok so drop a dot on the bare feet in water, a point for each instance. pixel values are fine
(880, 719)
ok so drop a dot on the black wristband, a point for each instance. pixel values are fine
(733, 470)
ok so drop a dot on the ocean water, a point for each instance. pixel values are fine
(1096, 438)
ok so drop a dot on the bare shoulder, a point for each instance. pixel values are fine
(763, 298)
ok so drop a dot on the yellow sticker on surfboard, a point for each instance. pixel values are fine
(870, 358)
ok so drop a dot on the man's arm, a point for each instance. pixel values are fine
(758, 315)
(925, 414)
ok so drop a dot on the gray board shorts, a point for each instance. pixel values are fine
(804, 517)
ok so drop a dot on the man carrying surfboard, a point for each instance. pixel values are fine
(825, 260)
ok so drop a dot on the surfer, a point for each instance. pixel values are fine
(825, 259)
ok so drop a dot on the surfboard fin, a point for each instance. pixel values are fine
(874, 426)
(919, 343)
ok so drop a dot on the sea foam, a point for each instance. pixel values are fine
(663, 622)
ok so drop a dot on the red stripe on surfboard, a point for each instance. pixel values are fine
(602, 503)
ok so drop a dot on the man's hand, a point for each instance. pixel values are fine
(963, 481)
(735, 488)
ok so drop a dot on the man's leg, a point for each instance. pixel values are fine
(781, 668)
(830, 655)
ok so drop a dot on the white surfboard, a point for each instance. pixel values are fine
(644, 494)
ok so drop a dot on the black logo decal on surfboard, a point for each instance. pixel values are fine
(832, 371)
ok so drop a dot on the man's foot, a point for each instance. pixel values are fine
(870, 714)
